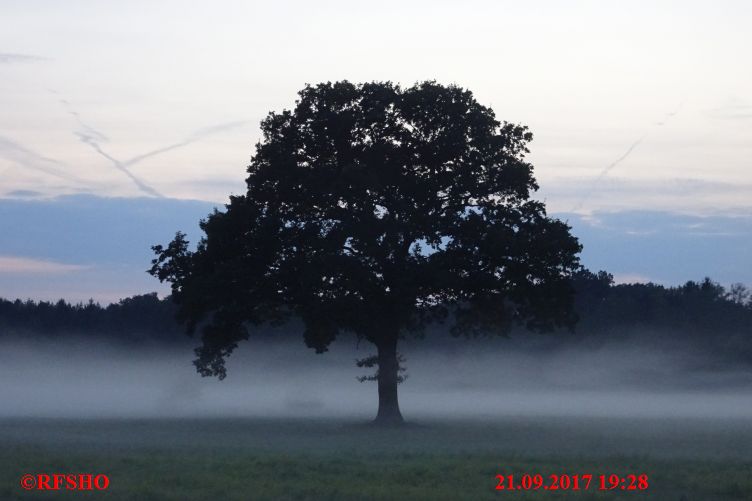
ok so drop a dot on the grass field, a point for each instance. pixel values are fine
(433, 460)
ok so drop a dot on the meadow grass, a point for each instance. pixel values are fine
(184, 459)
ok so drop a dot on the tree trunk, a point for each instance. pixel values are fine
(389, 412)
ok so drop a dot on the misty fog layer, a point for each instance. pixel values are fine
(478, 378)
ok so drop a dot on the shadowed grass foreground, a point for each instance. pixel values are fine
(261, 459)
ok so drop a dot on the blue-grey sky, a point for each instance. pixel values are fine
(637, 108)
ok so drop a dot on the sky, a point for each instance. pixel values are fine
(636, 107)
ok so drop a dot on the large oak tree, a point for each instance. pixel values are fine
(374, 210)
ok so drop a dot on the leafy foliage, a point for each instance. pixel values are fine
(374, 209)
(373, 361)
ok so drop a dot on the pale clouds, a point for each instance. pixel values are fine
(10, 58)
(27, 158)
(24, 265)
(617, 193)
(589, 78)
(732, 109)
(631, 278)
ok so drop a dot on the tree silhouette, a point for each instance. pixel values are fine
(374, 210)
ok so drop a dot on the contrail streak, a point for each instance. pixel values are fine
(23, 156)
(88, 139)
(605, 172)
(93, 137)
(196, 136)
(616, 162)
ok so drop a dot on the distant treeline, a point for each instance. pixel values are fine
(703, 312)
(134, 318)
(704, 307)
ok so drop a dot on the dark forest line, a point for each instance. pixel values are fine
(701, 313)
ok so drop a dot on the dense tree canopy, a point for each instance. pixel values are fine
(373, 209)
